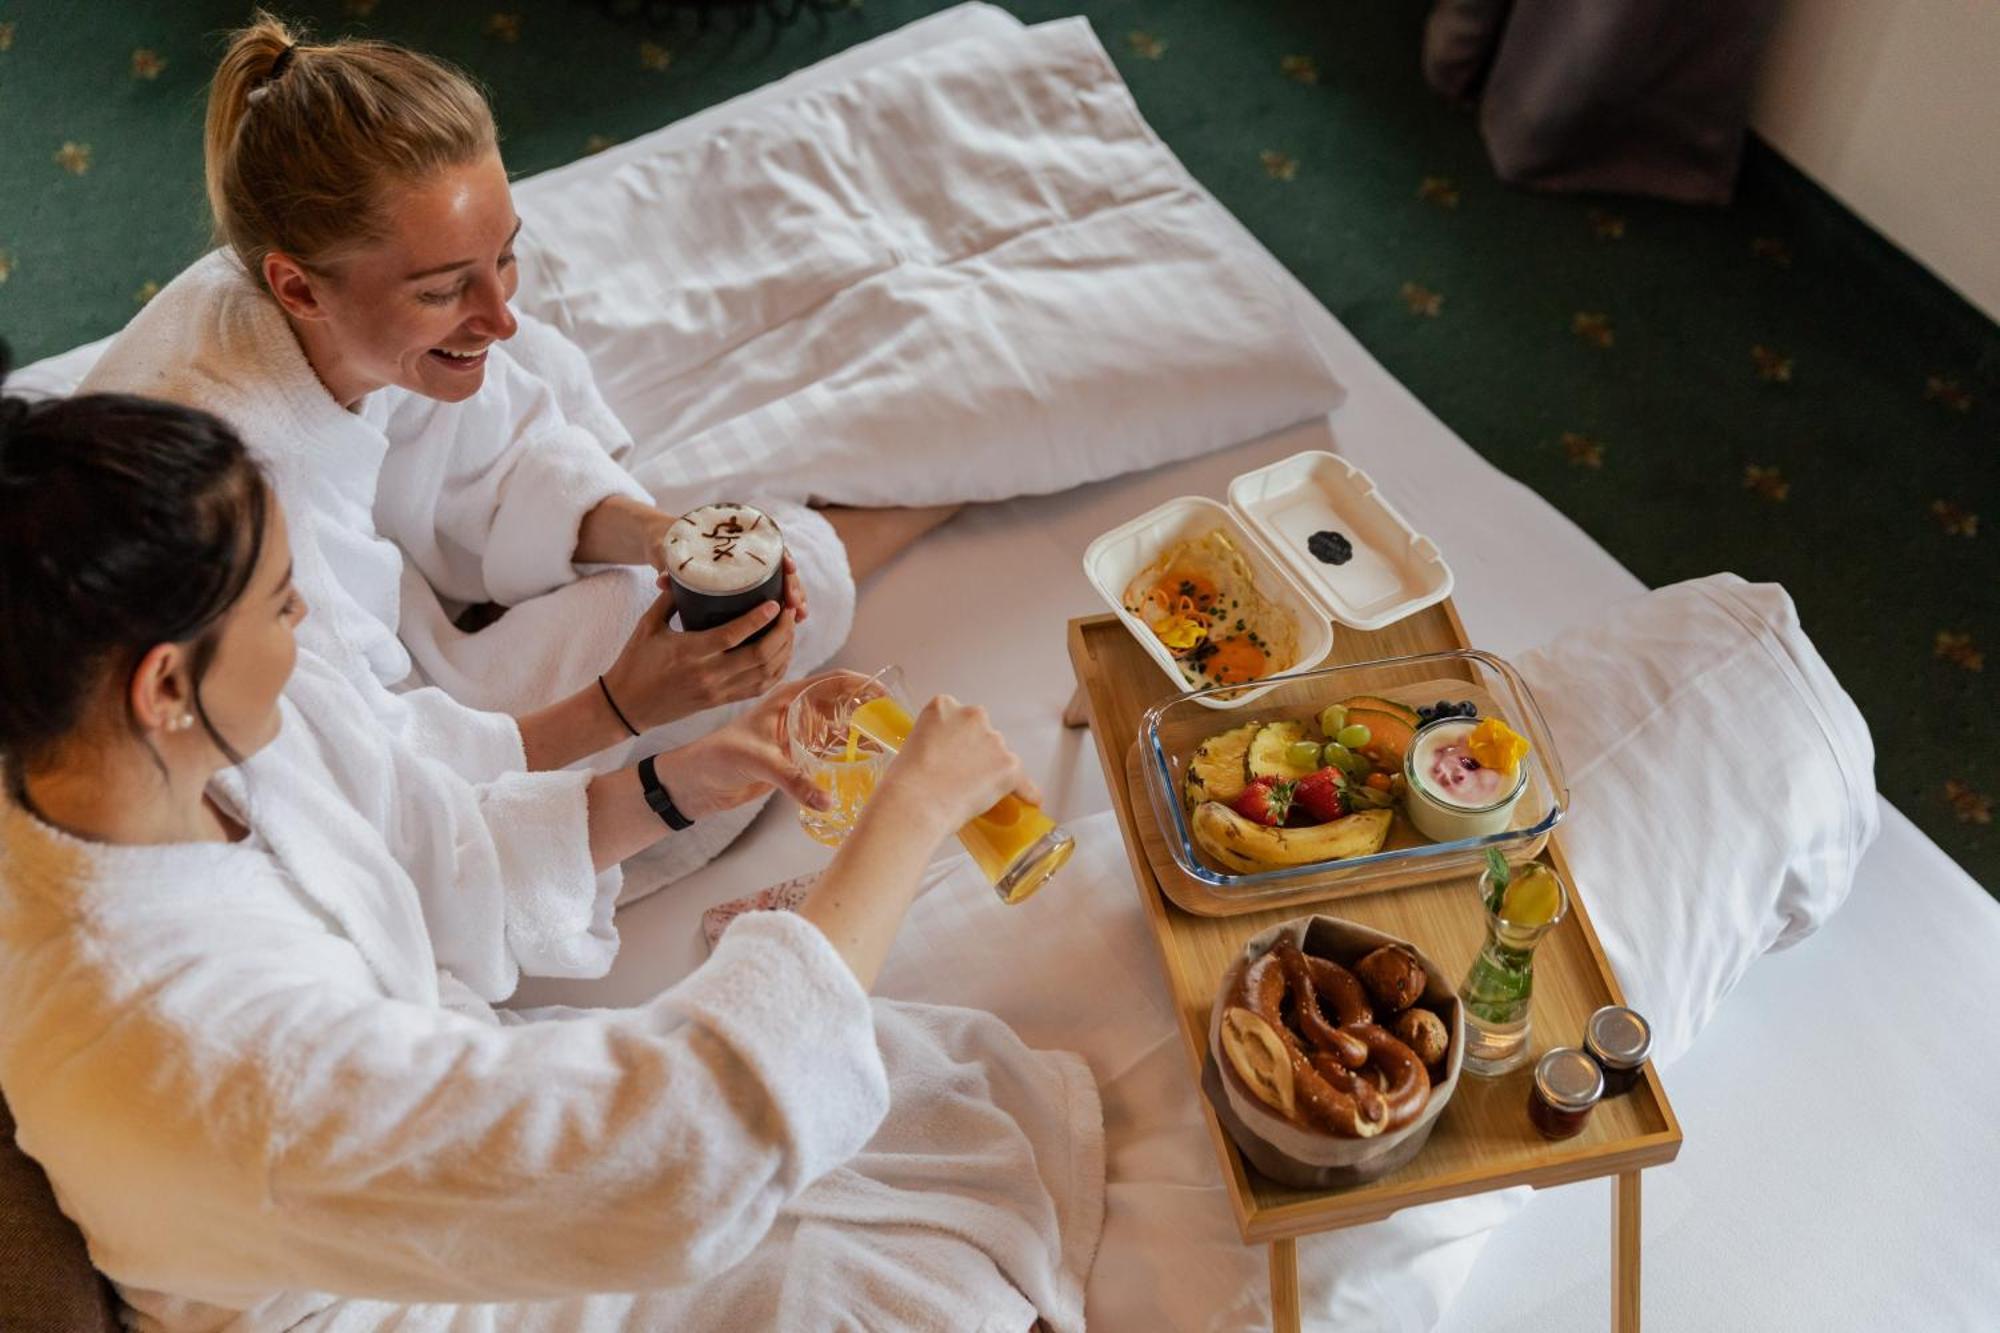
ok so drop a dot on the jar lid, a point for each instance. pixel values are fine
(1568, 1080)
(1619, 1037)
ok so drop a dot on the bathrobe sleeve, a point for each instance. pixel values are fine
(546, 353)
(487, 496)
(310, 1134)
(502, 868)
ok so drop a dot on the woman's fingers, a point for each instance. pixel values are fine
(735, 633)
(795, 589)
(785, 775)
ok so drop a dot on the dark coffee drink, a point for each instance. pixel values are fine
(723, 559)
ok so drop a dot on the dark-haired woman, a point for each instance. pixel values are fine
(247, 969)
(356, 330)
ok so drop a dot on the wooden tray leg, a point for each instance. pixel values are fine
(1077, 712)
(1625, 1253)
(1284, 1286)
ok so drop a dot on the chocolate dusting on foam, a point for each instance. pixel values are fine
(723, 537)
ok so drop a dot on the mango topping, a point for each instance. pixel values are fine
(1496, 745)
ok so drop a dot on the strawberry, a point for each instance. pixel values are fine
(1317, 796)
(1265, 801)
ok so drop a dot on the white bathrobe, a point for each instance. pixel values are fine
(407, 509)
(265, 1078)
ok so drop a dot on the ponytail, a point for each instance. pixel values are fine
(246, 67)
(303, 142)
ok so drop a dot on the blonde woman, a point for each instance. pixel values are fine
(435, 450)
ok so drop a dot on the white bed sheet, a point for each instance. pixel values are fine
(1810, 1194)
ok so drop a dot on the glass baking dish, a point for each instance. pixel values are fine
(1170, 732)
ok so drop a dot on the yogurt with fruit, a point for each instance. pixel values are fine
(1463, 778)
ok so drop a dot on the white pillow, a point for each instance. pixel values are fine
(1722, 788)
(963, 275)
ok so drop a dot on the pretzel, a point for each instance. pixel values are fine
(1348, 1075)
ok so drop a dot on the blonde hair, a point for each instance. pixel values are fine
(303, 142)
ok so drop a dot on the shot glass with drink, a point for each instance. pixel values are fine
(724, 559)
(845, 729)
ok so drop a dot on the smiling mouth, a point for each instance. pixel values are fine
(459, 360)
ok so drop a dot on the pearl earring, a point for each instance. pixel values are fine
(181, 723)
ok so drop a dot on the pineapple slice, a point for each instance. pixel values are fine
(1217, 771)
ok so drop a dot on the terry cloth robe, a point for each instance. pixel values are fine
(408, 508)
(265, 1081)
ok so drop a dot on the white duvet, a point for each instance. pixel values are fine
(970, 276)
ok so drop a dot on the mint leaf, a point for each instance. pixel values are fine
(1501, 875)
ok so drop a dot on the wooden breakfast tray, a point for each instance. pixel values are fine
(1483, 1141)
(1204, 899)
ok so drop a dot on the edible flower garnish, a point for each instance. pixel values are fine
(1496, 745)
(1181, 633)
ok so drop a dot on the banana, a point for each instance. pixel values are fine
(1244, 848)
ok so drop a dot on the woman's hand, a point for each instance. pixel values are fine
(738, 762)
(954, 767)
(795, 587)
(665, 674)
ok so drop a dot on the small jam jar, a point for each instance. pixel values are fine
(1619, 1040)
(1567, 1084)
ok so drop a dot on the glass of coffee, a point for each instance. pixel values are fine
(722, 560)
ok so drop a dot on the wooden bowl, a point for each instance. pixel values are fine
(1310, 1159)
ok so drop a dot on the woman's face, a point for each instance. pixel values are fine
(419, 308)
(255, 650)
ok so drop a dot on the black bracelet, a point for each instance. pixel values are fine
(615, 709)
(657, 798)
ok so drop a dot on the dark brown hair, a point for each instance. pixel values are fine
(125, 523)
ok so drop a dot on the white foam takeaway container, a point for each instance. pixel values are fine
(1271, 514)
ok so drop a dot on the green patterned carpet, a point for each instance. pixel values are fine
(1772, 390)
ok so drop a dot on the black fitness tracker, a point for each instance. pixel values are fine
(657, 798)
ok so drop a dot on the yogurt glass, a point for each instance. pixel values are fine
(1451, 795)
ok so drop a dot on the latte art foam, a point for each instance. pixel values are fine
(724, 548)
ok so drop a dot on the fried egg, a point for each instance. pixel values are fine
(1202, 603)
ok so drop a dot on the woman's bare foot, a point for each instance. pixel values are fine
(874, 537)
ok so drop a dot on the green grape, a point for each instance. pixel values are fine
(1335, 755)
(1302, 754)
(1332, 718)
(1354, 737)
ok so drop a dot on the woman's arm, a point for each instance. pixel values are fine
(954, 767)
(623, 531)
(735, 763)
(661, 675)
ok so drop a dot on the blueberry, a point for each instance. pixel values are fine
(1468, 708)
(1442, 708)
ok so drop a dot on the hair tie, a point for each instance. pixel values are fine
(278, 68)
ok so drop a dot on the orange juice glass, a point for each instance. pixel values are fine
(1014, 844)
(833, 755)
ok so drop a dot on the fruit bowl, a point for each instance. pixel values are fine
(1304, 1158)
(1180, 738)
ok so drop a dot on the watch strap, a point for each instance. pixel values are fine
(657, 798)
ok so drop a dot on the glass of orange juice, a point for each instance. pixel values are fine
(834, 756)
(1014, 844)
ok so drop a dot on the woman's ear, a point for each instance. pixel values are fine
(293, 286)
(159, 696)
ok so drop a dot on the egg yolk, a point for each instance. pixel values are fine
(1235, 661)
